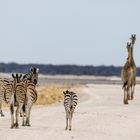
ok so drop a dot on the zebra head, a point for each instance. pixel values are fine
(32, 76)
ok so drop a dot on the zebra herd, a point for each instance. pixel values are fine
(20, 92)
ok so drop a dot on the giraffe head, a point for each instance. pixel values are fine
(128, 46)
(133, 38)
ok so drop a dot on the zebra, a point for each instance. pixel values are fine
(3, 82)
(70, 102)
(18, 96)
(31, 98)
(20, 93)
(32, 76)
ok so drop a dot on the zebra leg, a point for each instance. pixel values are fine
(2, 115)
(27, 115)
(66, 121)
(28, 119)
(22, 112)
(70, 118)
(17, 114)
(12, 115)
(23, 120)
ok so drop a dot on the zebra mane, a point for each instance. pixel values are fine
(28, 76)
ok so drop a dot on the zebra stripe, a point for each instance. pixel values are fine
(70, 102)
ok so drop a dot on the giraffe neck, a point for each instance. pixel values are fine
(130, 55)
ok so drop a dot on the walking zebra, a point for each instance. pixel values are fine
(18, 96)
(23, 94)
(3, 82)
(70, 102)
(31, 98)
(32, 76)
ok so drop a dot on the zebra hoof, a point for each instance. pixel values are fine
(12, 126)
(70, 129)
(23, 124)
(27, 124)
(125, 103)
(16, 125)
(2, 115)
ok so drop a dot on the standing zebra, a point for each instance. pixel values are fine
(70, 102)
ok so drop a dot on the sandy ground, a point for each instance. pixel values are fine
(100, 115)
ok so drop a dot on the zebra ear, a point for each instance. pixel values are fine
(31, 69)
(67, 91)
(64, 92)
(20, 75)
(13, 75)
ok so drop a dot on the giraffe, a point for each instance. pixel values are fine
(128, 73)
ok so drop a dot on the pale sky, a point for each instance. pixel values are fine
(83, 32)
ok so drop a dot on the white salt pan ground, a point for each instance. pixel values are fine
(100, 115)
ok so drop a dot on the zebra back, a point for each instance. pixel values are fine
(9, 86)
(70, 100)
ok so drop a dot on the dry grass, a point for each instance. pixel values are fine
(51, 93)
